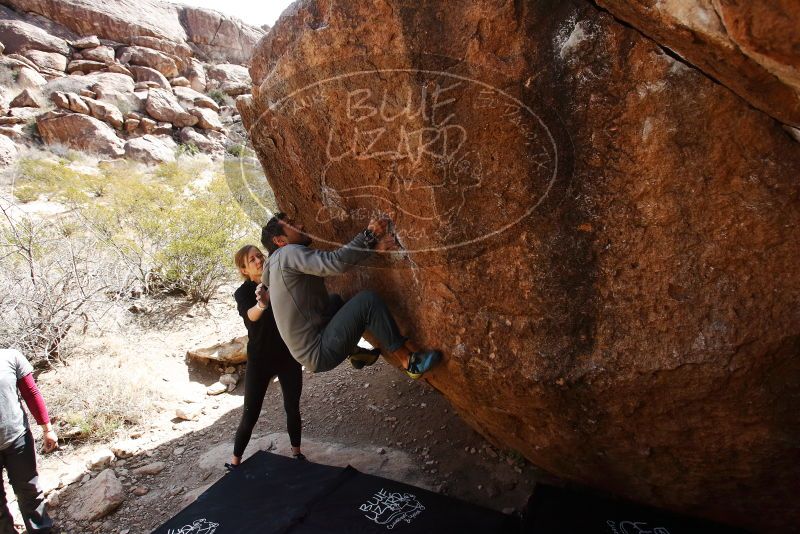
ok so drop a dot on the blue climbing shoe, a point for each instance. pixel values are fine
(421, 362)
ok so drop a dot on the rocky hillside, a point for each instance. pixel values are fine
(599, 227)
(121, 78)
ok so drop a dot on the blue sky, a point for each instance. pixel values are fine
(252, 12)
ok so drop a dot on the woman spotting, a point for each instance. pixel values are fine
(267, 356)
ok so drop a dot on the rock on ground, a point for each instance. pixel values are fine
(101, 458)
(126, 449)
(217, 388)
(230, 353)
(111, 87)
(28, 78)
(598, 236)
(196, 74)
(189, 413)
(104, 54)
(98, 497)
(105, 112)
(152, 468)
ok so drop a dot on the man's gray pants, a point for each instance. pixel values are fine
(365, 311)
(19, 461)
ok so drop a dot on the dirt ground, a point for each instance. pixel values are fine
(376, 419)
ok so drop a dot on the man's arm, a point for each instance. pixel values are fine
(328, 263)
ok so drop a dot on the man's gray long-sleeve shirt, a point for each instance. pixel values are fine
(295, 275)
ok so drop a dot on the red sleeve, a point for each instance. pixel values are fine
(33, 398)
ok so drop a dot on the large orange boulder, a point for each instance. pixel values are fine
(601, 239)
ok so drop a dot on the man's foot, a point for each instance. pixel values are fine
(364, 357)
(421, 362)
(300, 456)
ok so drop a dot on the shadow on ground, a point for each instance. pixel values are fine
(375, 419)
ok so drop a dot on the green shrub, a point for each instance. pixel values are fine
(236, 150)
(169, 228)
(55, 179)
(220, 97)
(187, 149)
(204, 233)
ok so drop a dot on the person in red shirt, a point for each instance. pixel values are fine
(17, 453)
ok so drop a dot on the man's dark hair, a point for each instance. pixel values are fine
(274, 228)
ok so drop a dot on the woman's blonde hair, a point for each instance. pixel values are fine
(240, 258)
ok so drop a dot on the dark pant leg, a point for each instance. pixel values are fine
(256, 380)
(291, 381)
(6, 519)
(365, 311)
(20, 461)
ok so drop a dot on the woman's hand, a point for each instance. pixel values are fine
(50, 439)
(262, 295)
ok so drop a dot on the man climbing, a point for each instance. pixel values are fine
(318, 335)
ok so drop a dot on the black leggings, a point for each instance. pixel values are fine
(256, 379)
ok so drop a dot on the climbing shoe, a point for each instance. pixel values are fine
(364, 357)
(422, 361)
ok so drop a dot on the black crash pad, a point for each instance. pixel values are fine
(269, 493)
(553, 510)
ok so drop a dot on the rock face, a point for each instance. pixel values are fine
(150, 61)
(599, 237)
(751, 47)
(220, 37)
(214, 36)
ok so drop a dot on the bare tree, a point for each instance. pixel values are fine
(52, 273)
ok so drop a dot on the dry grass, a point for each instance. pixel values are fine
(94, 397)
